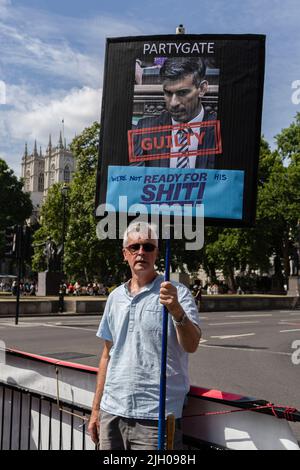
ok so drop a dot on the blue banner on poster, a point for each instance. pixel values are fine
(220, 191)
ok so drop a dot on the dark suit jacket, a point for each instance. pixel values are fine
(164, 119)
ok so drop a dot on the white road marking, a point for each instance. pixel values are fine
(289, 320)
(285, 311)
(234, 323)
(250, 316)
(232, 336)
(20, 324)
(71, 327)
(260, 351)
(51, 325)
(294, 313)
(288, 331)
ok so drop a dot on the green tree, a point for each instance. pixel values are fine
(247, 249)
(278, 210)
(227, 249)
(15, 205)
(280, 195)
(288, 141)
(87, 257)
(51, 225)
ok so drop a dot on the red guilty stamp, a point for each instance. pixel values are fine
(160, 142)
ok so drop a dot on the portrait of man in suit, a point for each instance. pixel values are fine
(179, 134)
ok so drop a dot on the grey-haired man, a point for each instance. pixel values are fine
(126, 403)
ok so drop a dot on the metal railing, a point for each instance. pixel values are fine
(45, 405)
(30, 421)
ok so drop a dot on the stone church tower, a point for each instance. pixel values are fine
(40, 171)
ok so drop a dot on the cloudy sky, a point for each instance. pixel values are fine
(52, 54)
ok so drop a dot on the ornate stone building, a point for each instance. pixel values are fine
(40, 171)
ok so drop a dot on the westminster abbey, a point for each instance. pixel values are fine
(40, 172)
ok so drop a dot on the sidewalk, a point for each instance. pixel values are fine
(34, 298)
(95, 305)
(30, 305)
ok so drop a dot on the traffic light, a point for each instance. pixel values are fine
(10, 241)
(18, 242)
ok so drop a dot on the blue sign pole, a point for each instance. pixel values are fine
(163, 378)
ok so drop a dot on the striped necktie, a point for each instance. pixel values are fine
(183, 162)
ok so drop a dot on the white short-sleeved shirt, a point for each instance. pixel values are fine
(134, 325)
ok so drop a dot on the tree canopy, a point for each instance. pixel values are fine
(15, 205)
(267, 245)
(86, 257)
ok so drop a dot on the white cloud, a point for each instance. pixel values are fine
(29, 116)
(34, 117)
(53, 67)
(57, 58)
(4, 4)
(59, 46)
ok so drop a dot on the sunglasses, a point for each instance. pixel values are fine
(135, 247)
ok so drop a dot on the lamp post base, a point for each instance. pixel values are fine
(294, 286)
(49, 283)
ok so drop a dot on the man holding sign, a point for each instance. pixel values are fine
(126, 403)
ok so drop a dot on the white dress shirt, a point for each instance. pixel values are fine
(193, 141)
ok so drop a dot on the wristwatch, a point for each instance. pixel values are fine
(182, 321)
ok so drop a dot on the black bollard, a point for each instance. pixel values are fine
(61, 299)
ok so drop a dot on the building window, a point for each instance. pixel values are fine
(67, 174)
(27, 182)
(52, 175)
(41, 182)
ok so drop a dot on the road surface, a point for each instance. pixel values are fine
(248, 353)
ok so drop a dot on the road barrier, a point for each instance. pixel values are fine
(45, 405)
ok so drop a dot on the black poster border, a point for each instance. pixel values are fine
(249, 200)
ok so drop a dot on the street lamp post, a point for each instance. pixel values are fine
(294, 278)
(298, 245)
(64, 193)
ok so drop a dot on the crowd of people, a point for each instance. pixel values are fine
(26, 288)
(91, 288)
(72, 288)
(97, 288)
(212, 289)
